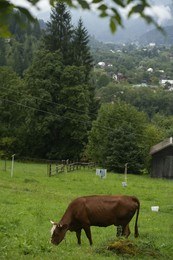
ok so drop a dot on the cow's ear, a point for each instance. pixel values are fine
(65, 226)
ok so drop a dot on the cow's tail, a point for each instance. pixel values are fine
(136, 222)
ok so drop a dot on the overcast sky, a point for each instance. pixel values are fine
(43, 5)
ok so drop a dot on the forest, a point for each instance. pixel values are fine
(57, 102)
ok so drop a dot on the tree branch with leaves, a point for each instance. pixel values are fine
(111, 10)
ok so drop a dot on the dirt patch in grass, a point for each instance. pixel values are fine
(131, 249)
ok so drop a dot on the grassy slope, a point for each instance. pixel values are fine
(30, 199)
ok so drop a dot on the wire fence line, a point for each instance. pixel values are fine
(41, 167)
(67, 167)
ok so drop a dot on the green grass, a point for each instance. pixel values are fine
(29, 199)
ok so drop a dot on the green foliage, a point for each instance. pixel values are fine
(42, 83)
(120, 135)
(103, 80)
(75, 100)
(11, 115)
(19, 49)
(57, 96)
(18, 62)
(6, 146)
(111, 11)
(165, 123)
(152, 135)
(2, 52)
(27, 207)
(60, 97)
(147, 99)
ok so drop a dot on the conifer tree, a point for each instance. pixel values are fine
(67, 116)
(82, 57)
(2, 52)
(81, 49)
(20, 48)
(17, 62)
(59, 32)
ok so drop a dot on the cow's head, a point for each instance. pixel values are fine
(58, 232)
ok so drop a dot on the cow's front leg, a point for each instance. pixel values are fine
(126, 231)
(88, 234)
(78, 235)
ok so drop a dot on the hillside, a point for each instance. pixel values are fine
(158, 37)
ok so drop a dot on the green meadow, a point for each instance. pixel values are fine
(30, 199)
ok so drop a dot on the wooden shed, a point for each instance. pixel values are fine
(162, 159)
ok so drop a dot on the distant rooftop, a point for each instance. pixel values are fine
(160, 146)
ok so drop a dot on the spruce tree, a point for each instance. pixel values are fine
(64, 126)
(58, 35)
(82, 57)
(2, 52)
(20, 48)
(58, 126)
(81, 49)
(17, 52)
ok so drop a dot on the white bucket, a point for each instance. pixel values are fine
(124, 184)
(155, 208)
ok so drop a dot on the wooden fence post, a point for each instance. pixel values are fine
(49, 170)
(56, 168)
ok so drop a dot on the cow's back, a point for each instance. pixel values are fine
(103, 210)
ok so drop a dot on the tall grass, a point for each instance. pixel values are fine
(29, 199)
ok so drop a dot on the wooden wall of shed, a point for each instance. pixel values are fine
(162, 164)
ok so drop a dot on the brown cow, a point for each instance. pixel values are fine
(99, 210)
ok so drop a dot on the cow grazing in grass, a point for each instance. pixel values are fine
(99, 210)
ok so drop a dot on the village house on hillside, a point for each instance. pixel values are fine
(167, 83)
(162, 159)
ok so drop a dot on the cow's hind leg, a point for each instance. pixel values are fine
(119, 231)
(78, 235)
(88, 234)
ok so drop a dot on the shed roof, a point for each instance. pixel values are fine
(162, 145)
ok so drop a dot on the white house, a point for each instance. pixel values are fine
(150, 70)
(101, 64)
(152, 44)
(165, 82)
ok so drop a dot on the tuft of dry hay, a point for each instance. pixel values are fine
(124, 247)
(131, 248)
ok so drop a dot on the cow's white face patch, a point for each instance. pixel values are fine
(53, 229)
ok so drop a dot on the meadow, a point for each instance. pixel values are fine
(29, 199)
